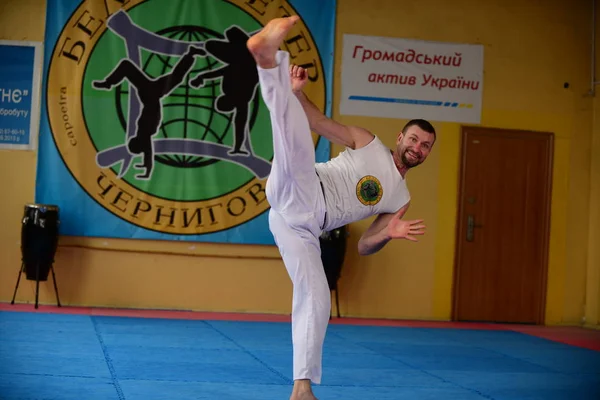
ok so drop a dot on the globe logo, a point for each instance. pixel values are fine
(180, 123)
(189, 101)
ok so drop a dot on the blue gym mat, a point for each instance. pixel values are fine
(76, 357)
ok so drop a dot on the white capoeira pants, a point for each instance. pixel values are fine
(296, 217)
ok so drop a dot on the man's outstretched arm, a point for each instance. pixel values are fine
(350, 136)
(387, 227)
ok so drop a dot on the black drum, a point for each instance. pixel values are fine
(39, 239)
(333, 250)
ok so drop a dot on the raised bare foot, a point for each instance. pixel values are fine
(264, 44)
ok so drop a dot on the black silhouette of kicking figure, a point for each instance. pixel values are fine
(238, 86)
(150, 92)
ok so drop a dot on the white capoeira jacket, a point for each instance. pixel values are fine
(361, 183)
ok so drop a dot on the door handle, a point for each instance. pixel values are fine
(471, 225)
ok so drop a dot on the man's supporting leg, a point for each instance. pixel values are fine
(311, 301)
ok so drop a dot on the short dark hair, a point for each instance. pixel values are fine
(421, 123)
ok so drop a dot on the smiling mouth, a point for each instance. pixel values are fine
(412, 155)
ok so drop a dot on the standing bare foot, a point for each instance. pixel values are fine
(302, 390)
(264, 45)
(303, 396)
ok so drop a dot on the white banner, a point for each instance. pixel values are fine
(403, 78)
(20, 83)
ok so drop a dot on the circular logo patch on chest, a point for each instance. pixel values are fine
(369, 190)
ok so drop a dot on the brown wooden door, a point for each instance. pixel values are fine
(503, 226)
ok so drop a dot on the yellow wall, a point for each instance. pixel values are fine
(592, 310)
(405, 280)
(592, 315)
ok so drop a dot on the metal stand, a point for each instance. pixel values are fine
(37, 284)
(337, 303)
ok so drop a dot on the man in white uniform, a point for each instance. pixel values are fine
(307, 198)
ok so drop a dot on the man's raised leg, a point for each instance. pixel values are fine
(293, 178)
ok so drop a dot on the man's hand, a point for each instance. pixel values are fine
(387, 227)
(299, 78)
(400, 229)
